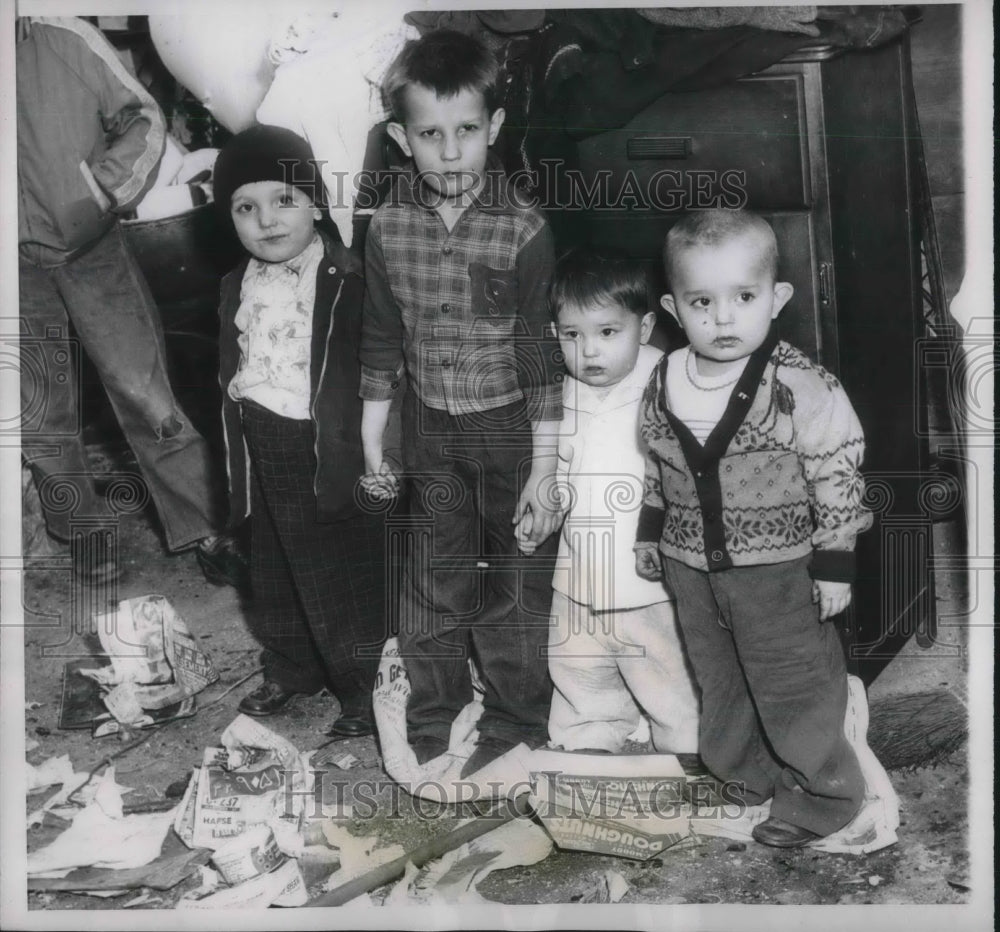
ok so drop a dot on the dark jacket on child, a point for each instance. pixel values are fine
(335, 374)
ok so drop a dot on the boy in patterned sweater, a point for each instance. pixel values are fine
(752, 506)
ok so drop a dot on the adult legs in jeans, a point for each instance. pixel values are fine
(464, 483)
(118, 325)
(774, 690)
(318, 588)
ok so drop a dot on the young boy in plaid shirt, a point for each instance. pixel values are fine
(457, 274)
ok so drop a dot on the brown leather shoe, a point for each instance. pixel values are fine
(266, 699)
(781, 834)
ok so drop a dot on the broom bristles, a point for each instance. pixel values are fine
(916, 730)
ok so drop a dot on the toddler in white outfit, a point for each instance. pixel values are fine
(614, 646)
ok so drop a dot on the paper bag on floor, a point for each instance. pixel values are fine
(874, 827)
(256, 777)
(392, 691)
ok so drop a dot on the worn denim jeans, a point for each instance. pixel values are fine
(466, 591)
(118, 326)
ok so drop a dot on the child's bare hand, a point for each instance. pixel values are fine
(522, 534)
(539, 500)
(647, 563)
(833, 597)
(381, 485)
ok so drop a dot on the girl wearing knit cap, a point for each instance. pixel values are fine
(290, 325)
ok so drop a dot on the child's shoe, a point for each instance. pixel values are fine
(781, 834)
(266, 699)
(356, 719)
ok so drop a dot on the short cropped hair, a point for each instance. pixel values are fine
(585, 277)
(714, 227)
(446, 61)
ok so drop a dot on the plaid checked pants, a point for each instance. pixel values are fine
(318, 588)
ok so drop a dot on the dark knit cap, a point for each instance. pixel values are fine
(266, 153)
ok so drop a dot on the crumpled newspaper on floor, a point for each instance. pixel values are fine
(454, 877)
(253, 870)
(254, 778)
(101, 836)
(245, 802)
(155, 662)
(283, 886)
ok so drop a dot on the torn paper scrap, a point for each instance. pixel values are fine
(358, 854)
(283, 886)
(50, 772)
(455, 876)
(59, 770)
(124, 841)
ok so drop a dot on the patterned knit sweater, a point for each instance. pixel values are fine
(779, 476)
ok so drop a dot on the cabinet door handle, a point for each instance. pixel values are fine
(825, 283)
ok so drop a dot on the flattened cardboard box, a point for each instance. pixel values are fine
(625, 806)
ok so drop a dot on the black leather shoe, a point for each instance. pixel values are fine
(356, 720)
(222, 562)
(781, 834)
(266, 699)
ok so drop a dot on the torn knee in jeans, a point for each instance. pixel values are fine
(169, 427)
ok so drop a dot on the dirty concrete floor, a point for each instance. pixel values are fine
(928, 865)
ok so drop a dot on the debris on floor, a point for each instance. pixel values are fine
(628, 807)
(156, 669)
(256, 776)
(455, 876)
(125, 840)
(162, 874)
(609, 887)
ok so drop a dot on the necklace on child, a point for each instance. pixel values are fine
(704, 387)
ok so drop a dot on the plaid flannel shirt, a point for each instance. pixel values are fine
(466, 309)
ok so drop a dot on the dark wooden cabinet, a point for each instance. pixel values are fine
(822, 144)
